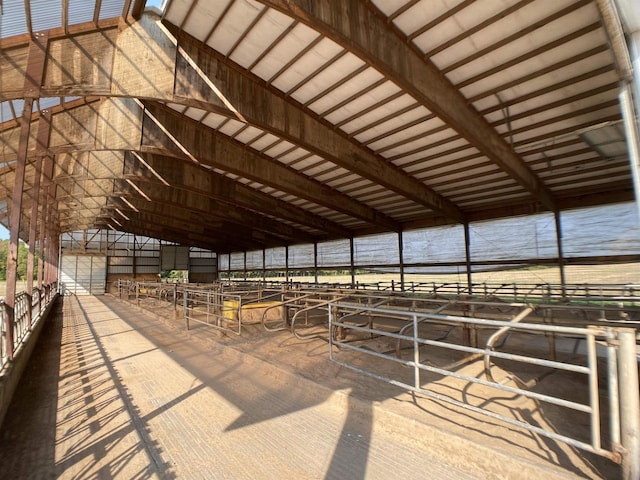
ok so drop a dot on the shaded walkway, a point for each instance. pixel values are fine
(121, 395)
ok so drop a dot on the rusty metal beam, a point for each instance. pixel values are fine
(219, 151)
(46, 202)
(186, 174)
(269, 109)
(14, 227)
(367, 34)
(185, 227)
(185, 201)
(273, 111)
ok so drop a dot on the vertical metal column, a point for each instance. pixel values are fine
(315, 261)
(286, 263)
(351, 263)
(133, 259)
(633, 40)
(14, 225)
(33, 230)
(633, 138)
(264, 267)
(37, 219)
(47, 173)
(467, 256)
(245, 264)
(218, 266)
(50, 221)
(401, 259)
(563, 279)
(629, 404)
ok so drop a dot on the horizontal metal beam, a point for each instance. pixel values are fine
(185, 174)
(196, 206)
(274, 111)
(219, 151)
(169, 76)
(364, 31)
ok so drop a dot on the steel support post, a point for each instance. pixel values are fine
(467, 256)
(218, 277)
(46, 207)
(401, 259)
(630, 116)
(286, 263)
(351, 262)
(14, 225)
(633, 138)
(33, 229)
(561, 262)
(629, 404)
(245, 265)
(264, 268)
(315, 261)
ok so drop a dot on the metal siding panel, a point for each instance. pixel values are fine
(98, 275)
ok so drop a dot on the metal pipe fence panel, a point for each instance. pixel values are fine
(360, 337)
(222, 311)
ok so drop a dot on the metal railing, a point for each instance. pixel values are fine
(412, 328)
(27, 313)
(222, 311)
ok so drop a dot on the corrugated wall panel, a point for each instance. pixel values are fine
(83, 274)
(301, 256)
(254, 260)
(376, 249)
(334, 254)
(236, 261)
(275, 258)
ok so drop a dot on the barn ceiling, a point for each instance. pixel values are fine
(241, 124)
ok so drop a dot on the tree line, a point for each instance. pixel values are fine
(23, 253)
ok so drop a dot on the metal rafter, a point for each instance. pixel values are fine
(397, 60)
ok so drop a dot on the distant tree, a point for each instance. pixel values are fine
(23, 256)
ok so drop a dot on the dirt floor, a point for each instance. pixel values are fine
(435, 423)
(626, 273)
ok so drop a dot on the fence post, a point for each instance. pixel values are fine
(175, 296)
(629, 404)
(29, 309)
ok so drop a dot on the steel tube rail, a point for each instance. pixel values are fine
(526, 393)
(308, 309)
(436, 396)
(192, 299)
(493, 338)
(485, 322)
(629, 404)
(614, 399)
(592, 361)
(624, 428)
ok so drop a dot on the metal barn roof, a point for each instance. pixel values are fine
(242, 124)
